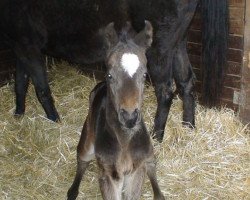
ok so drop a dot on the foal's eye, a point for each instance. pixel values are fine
(109, 76)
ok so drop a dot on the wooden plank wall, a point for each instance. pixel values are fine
(245, 81)
(232, 83)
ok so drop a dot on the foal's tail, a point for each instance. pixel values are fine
(214, 51)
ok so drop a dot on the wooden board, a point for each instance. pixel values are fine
(244, 110)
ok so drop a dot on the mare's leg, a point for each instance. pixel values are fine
(33, 62)
(151, 172)
(184, 78)
(160, 58)
(160, 70)
(133, 184)
(85, 153)
(21, 86)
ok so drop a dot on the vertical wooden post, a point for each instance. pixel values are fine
(244, 111)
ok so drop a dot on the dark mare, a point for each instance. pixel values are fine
(70, 29)
(114, 131)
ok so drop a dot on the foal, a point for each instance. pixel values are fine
(114, 131)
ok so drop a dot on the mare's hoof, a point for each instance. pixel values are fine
(18, 115)
(188, 124)
(158, 135)
(54, 118)
(57, 120)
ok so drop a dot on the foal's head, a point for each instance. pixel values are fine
(126, 71)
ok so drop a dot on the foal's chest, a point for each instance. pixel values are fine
(125, 164)
(129, 160)
(123, 159)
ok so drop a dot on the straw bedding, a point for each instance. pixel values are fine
(37, 156)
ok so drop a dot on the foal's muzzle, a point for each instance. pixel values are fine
(129, 119)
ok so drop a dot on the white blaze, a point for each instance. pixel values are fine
(130, 63)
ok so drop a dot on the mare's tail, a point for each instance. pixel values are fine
(214, 52)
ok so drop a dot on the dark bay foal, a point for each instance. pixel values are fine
(114, 131)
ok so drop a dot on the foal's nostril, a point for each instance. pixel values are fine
(124, 114)
(135, 114)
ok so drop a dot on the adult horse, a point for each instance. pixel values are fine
(70, 29)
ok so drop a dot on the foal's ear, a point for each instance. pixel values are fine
(145, 37)
(110, 35)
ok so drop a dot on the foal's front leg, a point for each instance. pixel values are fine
(85, 153)
(74, 189)
(110, 182)
(133, 184)
(111, 189)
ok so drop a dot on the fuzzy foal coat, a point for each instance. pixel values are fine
(123, 156)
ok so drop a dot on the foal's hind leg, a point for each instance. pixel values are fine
(85, 153)
(21, 86)
(33, 62)
(184, 78)
(74, 189)
(151, 172)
